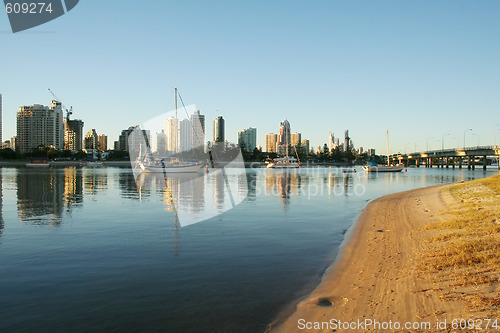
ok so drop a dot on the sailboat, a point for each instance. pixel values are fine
(168, 163)
(374, 167)
(287, 162)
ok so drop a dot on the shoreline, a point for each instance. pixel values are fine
(374, 276)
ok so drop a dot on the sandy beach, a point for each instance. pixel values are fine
(375, 285)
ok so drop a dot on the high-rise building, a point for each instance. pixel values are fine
(39, 125)
(284, 138)
(331, 141)
(305, 145)
(170, 129)
(271, 140)
(102, 142)
(337, 143)
(247, 139)
(371, 152)
(346, 140)
(91, 139)
(219, 128)
(198, 130)
(296, 138)
(73, 134)
(159, 143)
(123, 143)
(13, 141)
(184, 138)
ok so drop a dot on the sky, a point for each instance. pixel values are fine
(424, 70)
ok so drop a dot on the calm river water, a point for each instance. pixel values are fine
(91, 250)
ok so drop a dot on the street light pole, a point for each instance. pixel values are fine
(470, 129)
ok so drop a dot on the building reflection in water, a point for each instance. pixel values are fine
(95, 181)
(73, 187)
(43, 195)
(195, 197)
(40, 196)
(1, 203)
(284, 184)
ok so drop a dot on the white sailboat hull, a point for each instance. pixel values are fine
(170, 168)
(384, 168)
(283, 165)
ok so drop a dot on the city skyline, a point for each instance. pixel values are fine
(421, 70)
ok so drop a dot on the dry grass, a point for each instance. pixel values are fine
(465, 248)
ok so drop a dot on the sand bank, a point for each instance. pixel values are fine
(375, 277)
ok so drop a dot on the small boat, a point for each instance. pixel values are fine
(92, 163)
(374, 167)
(38, 163)
(283, 163)
(167, 164)
(349, 170)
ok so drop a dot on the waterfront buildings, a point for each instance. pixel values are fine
(198, 130)
(331, 141)
(13, 141)
(185, 135)
(159, 143)
(73, 134)
(247, 139)
(305, 145)
(295, 139)
(123, 143)
(219, 129)
(102, 142)
(91, 139)
(271, 140)
(170, 129)
(284, 138)
(39, 125)
(346, 140)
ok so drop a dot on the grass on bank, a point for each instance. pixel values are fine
(465, 248)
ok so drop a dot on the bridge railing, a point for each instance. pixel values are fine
(452, 150)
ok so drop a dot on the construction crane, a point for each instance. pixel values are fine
(68, 112)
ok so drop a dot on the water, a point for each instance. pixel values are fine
(84, 250)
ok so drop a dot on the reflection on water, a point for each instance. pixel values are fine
(40, 196)
(1, 204)
(120, 261)
(43, 195)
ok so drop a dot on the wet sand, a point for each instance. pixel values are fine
(375, 277)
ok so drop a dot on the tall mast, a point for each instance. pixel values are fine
(176, 123)
(388, 159)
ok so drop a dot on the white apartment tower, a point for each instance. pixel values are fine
(39, 125)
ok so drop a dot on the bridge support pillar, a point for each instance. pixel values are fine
(447, 162)
(416, 163)
(460, 163)
(484, 163)
(453, 162)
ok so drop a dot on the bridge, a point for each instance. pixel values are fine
(446, 158)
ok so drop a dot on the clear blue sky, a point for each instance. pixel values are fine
(422, 69)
